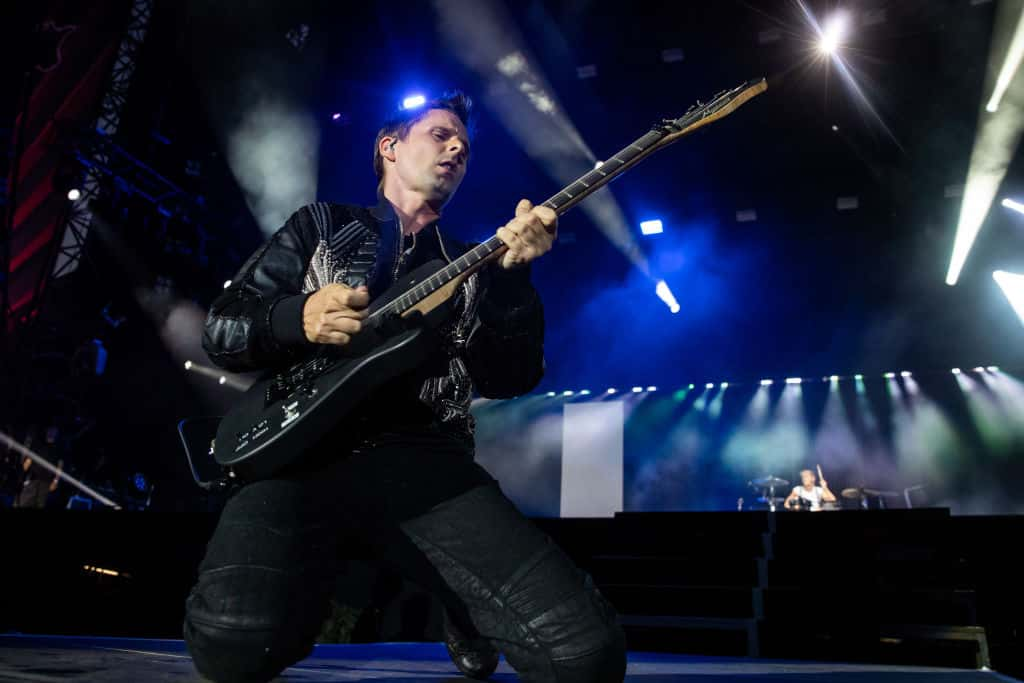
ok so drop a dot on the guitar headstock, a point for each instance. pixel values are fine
(700, 114)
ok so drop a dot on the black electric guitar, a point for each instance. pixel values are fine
(287, 411)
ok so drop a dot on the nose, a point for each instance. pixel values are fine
(458, 148)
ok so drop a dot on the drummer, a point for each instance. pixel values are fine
(808, 494)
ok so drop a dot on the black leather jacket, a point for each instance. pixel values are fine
(493, 343)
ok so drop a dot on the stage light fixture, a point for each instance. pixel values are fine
(993, 368)
(585, 392)
(652, 227)
(74, 194)
(550, 394)
(665, 294)
(188, 365)
(566, 393)
(652, 388)
(766, 383)
(611, 390)
(793, 380)
(724, 385)
(859, 378)
(979, 369)
(709, 385)
(905, 373)
(222, 380)
(834, 378)
(413, 101)
(227, 283)
(637, 390)
(1012, 285)
(889, 375)
(956, 371)
(832, 35)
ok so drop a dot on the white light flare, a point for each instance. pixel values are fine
(1010, 204)
(833, 33)
(665, 294)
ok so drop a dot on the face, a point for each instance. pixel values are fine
(807, 478)
(432, 158)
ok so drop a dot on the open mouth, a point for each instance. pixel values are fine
(448, 167)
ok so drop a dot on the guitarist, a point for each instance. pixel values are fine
(396, 482)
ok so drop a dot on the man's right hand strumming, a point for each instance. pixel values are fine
(333, 314)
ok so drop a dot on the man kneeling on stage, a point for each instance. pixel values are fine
(396, 482)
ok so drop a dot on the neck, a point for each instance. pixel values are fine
(412, 209)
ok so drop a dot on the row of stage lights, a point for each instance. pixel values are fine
(835, 379)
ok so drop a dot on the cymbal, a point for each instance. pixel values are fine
(769, 481)
(876, 492)
(853, 494)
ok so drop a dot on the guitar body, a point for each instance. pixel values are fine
(286, 412)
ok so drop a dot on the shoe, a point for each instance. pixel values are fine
(474, 657)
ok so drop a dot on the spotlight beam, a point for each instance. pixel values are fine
(1010, 64)
(994, 147)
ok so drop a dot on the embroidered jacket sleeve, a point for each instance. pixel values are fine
(505, 352)
(256, 322)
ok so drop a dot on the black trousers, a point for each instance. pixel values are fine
(33, 494)
(411, 502)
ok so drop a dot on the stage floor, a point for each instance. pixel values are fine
(43, 659)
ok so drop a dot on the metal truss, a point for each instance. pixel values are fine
(76, 229)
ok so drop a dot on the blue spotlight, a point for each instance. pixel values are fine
(637, 390)
(709, 385)
(551, 393)
(793, 380)
(566, 393)
(651, 227)
(611, 390)
(766, 383)
(413, 101)
(652, 388)
(585, 392)
(665, 294)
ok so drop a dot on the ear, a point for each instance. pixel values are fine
(387, 147)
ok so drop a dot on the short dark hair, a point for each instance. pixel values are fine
(398, 124)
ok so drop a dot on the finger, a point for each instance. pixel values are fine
(547, 216)
(348, 298)
(342, 323)
(523, 206)
(510, 239)
(336, 337)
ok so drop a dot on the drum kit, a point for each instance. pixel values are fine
(768, 488)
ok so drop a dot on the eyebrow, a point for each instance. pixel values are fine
(451, 131)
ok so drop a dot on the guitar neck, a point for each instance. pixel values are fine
(667, 132)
